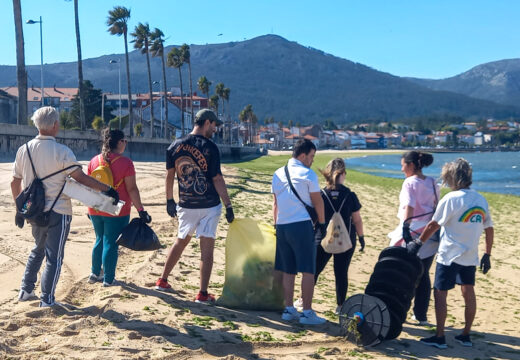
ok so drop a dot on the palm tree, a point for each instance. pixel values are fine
(141, 42)
(203, 84)
(157, 49)
(219, 90)
(21, 74)
(186, 58)
(248, 116)
(213, 102)
(118, 25)
(175, 60)
(81, 92)
(225, 97)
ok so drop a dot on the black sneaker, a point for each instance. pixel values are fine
(464, 340)
(437, 341)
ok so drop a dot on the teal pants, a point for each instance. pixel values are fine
(105, 249)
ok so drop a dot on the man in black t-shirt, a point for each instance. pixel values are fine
(195, 159)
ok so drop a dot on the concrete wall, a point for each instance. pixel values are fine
(86, 144)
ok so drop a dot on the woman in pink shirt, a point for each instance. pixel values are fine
(108, 227)
(419, 196)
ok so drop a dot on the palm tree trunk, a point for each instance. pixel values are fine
(165, 96)
(80, 70)
(182, 103)
(129, 87)
(191, 95)
(21, 74)
(150, 90)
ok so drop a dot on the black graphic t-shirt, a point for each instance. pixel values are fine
(196, 160)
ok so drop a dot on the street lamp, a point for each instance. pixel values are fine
(118, 62)
(30, 22)
(162, 99)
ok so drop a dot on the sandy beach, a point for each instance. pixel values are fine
(134, 321)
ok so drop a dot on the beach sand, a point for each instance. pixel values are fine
(134, 321)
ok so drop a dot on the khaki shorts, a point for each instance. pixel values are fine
(203, 221)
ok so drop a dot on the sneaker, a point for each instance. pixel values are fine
(298, 304)
(338, 309)
(204, 299)
(43, 304)
(162, 285)
(437, 341)
(464, 340)
(93, 278)
(26, 296)
(113, 283)
(309, 317)
(415, 321)
(290, 313)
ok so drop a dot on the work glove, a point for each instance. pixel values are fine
(230, 216)
(485, 263)
(143, 214)
(111, 192)
(361, 239)
(320, 231)
(407, 236)
(171, 208)
(19, 220)
(413, 247)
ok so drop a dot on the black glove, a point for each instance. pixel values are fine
(113, 194)
(485, 263)
(413, 247)
(19, 220)
(145, 216)
(407, 236)
(320, 231)
(361, 239)
(230, 216)
(171, 207)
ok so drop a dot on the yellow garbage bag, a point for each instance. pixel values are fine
(251, 281)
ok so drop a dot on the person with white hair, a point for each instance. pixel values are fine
(40, 157)
(462, 215)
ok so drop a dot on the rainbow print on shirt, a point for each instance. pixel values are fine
(475, 214)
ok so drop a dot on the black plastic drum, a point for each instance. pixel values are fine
(364, 320)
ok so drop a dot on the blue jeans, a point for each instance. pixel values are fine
(105, 249)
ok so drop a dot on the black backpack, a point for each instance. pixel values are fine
(31, 201)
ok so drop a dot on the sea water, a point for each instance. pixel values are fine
(497, 172)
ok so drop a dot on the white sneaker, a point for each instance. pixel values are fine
(113, 283)
(26, 296)
(43, 304)
(419, 322)
(309, 317)
(93, 278)
(338, 309)
(290, 313)
(298, 304)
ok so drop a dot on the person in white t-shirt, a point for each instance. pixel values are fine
(295, 247)
(462, 215)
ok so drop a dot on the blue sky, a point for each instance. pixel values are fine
(431, 39)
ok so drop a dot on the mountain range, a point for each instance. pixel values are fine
(497, 81)
(288, 81)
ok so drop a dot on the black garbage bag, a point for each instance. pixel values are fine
(137, 235)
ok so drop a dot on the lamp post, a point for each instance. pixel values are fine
(162, 99)
(30, 22)
(118, 62)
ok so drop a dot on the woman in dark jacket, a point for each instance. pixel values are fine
(337, 193)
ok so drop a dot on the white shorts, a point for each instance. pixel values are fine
(204, 221)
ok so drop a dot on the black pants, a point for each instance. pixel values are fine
(341, 264)
(423, 292)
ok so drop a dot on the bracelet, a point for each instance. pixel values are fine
(139, 210)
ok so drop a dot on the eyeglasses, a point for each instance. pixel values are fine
(124, 140)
